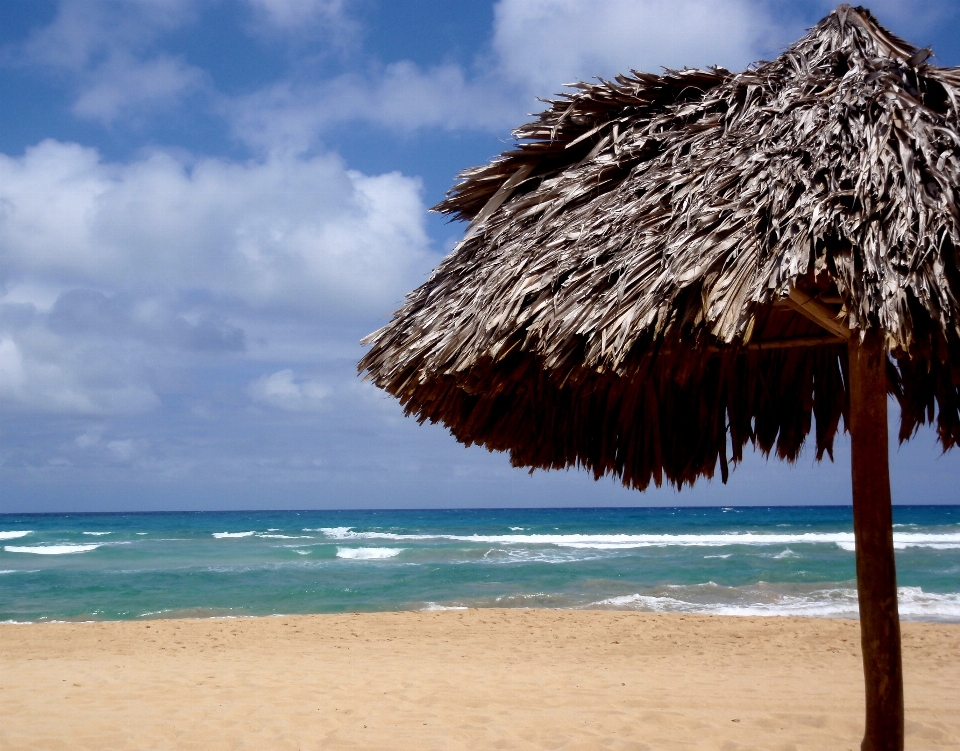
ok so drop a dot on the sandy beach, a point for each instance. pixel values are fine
(474, 679)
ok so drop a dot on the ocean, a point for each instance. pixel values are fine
(740, 561)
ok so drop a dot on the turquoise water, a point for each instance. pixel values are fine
(767, 561)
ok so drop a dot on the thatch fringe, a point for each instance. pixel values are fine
(646, 232)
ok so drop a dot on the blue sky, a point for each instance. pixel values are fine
(204, 204)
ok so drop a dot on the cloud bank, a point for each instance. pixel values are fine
(165, 255)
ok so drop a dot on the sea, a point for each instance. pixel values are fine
(780, 561)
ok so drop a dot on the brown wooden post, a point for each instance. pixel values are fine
(873, 531)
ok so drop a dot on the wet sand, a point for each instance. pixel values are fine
(476, 679)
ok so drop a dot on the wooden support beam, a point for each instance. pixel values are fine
(821, 314)
(765, 344)
(794, 341)
(873, 533)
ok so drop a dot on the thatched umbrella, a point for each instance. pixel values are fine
(669, 267)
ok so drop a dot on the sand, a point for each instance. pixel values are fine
(476, 679)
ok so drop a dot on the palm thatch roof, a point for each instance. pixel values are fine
(667, 268)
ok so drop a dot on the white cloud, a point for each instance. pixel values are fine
(125, 85)
(89, 438)
(12, 377)
(912, 19)
(282, 233)
(42, 373)
(105, 47)
(546, 43)
(293, 14)
(153, 262)
(117, 450)
(122, 450)
(283, 391)
(84, 30)
(401, 97)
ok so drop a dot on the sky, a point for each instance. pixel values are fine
(205, 204)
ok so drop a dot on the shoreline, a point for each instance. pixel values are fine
(464, 679)
(182, 616)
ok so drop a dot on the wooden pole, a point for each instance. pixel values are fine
(873, 532)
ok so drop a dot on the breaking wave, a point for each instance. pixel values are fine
(843, 540)
(837, 602)
(51, 549)
(368, 554)
(14, 535)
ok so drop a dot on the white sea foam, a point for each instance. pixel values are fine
(840, 602)
(725, 555)
(432, 606)
(141, 533)
(221, 535)
(9, 571)
(516, 529)
(538, 555)
(286, 537)
(531, 555)
(333, 532)
(839, 606)
(51, 549)
(622, 601)
(787, 553)
(98, 534)
(523, 596)
(14, 535)
(302, 552)
(368, 554)
(921, 541)
(915, 603)
(843, 540)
